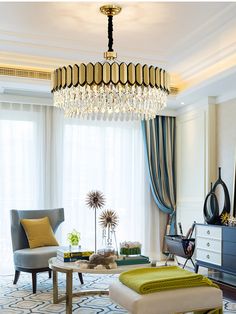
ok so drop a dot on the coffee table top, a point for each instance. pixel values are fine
(54, 262)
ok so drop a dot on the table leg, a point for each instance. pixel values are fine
(55, 286)
(69, 275)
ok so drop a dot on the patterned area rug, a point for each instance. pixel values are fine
(20, 299)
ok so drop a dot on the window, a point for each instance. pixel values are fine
(105, 156)
(47, 161)
(20, 169)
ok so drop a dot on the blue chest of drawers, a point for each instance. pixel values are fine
(216, 248)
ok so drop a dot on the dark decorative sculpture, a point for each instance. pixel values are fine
(212, 213)
(226, 207)
(211, 208)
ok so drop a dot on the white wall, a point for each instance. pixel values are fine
(195, 160)
(206, 140)
(226, 140)
(190, 168)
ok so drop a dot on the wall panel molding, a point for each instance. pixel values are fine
(196, 161)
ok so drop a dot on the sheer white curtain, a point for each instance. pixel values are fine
(47, 161)
(21, 167)
(106, 156)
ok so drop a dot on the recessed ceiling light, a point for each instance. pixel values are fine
(182, 103)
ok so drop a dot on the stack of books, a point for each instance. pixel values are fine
(132, 260)
(64, 254)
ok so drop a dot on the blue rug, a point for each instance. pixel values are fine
(19, 299)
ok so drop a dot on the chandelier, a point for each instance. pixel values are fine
(110, 90)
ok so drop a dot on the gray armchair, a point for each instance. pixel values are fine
(32, 260)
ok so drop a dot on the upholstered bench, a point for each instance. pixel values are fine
(166, 302)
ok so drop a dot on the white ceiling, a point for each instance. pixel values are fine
(195, 41)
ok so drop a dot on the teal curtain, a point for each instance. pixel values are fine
(159, 141)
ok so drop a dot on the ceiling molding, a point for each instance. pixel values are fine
(192, 108)
(39, 49)
(207, 52)
(219, 86)
(26, 99)
(210, 27)
(209, 61)
(226, 97)
(26, 61)
(25, 84)
(61, 50)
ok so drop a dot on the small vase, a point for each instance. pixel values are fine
(74, 248)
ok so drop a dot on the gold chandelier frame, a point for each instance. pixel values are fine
(98, 73)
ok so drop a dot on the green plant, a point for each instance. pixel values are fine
(73, 237)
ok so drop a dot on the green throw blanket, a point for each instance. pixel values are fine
(148, 280)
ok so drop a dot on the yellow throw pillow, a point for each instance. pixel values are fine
(39, 232)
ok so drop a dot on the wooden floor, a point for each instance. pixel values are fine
(226, 282)
(229, 292)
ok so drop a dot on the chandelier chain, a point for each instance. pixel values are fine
(110, 32)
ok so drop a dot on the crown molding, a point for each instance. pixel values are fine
(193, 108)
(25, 84)
(59, 50)
(11, 59)
(222, 87)
(210, 62)
(210, 27)
(25, 90)
(26, 99)
(201, 54)
(226, 97)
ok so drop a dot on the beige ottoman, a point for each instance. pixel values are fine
(166, 302)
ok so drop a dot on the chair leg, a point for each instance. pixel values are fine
(185, 262)
(81, 278)
(17, 275)
(196, 268)
(167, 258)
(49, 274)
(192, 262)
(34, 281)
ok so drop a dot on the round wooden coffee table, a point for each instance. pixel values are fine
(69, 268)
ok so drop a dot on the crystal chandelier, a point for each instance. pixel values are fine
(110, 90)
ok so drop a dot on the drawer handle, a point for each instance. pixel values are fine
(208, 244)
(208, 256)
(208, 232)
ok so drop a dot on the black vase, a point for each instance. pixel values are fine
(226, 206)
(211, 208)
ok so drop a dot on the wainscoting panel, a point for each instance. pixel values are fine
(196, 166)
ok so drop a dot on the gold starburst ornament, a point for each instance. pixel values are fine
(95, 199)
(109, 218)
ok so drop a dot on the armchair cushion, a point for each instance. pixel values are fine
(34, 258)
(39, 232)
